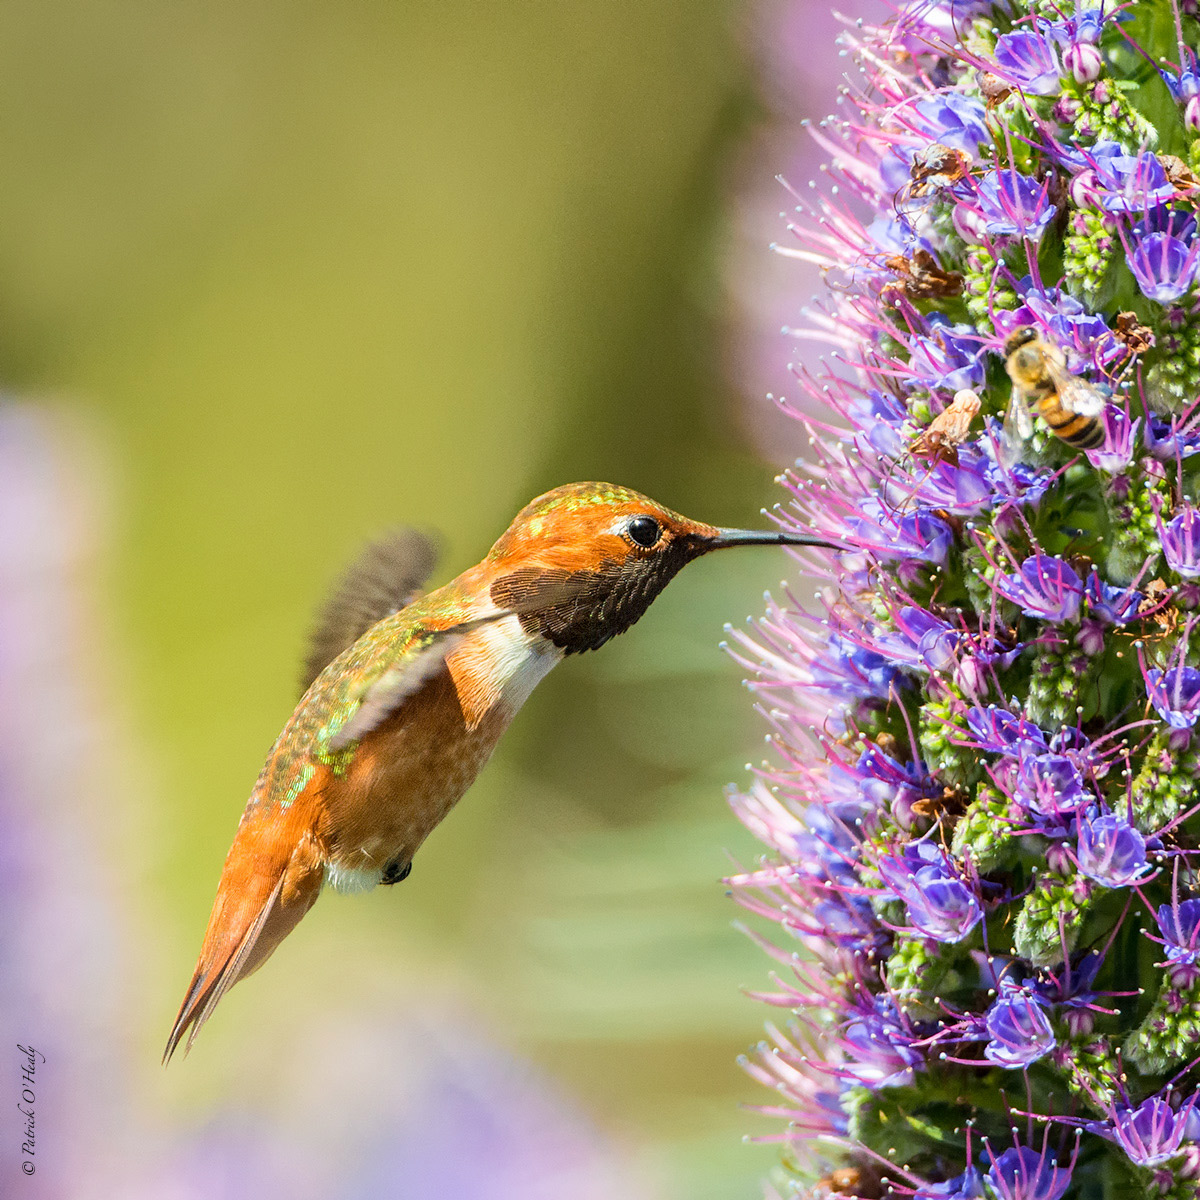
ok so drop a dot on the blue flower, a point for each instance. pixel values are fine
(1030, 60)
(1184, 86)
(1181, 542)
(1175, 695)
(921, 640)
(1014, 205)
(1112, 605)
(919, 537)
(1017, 1025)
(1129, 183)
(1110, 850)
(1000, 732)
(878, 1047)
(1153, 1132)
(1023, 1174)
(954, 120)
(946, 359)
(1164, 266)
(1050, 785)
(1082, 34)
(942, 903)
(1180, 926)
(1045, 588)
(1171, 438)
(967, 1186)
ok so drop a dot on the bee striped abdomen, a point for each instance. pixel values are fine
(1082, 433)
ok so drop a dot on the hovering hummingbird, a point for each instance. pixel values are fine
(405, 697)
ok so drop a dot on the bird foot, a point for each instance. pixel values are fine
(396, 871)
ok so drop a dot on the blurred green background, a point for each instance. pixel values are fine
(308, 270)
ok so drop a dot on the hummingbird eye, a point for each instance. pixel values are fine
(644, 531)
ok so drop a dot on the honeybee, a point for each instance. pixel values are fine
(1069, 405)
(937, 167)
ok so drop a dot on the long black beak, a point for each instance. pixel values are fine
(763, 537)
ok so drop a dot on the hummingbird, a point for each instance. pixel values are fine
(406, 695)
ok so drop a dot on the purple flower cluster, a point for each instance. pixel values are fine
(984, 820)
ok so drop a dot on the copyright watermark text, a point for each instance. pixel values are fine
(30, 1057)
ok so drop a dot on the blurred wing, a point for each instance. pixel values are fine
(1076, 395)
(394, 680)
(1018, 421)
(384, 578)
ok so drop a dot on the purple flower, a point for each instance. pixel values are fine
(1120, 440)
(878, 1048)
(942, 903)
(1050, 784)
(1030, 60)
(1180, 927)
(947, 359)
(1110, 850)
(1185, 89)
(1000, 732)
(1153, 1132)
(1172, 438)
(848, 672)
(919, 537)
(1017, 1027)
(967, 1186)
(944, 848)
(1181, 542)
(1014, 205)
(1045, 588)
(1175, 695)
(954, 120)
(1164, 266)
(1112, 605)
(1023, 1174)
(1082, 33)
(1129, 183)
(921, 640)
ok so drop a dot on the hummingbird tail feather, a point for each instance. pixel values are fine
(245, 927)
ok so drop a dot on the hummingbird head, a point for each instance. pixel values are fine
(583, 562)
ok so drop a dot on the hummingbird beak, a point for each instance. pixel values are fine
(761, 537)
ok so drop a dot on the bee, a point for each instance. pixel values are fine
(1070, 405)
(937, 167)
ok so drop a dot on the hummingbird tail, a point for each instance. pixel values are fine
(254, 911)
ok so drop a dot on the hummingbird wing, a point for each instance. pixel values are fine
(384, 578)
(394, 680)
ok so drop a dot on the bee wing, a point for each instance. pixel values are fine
(1076, 395)
(1018, 421)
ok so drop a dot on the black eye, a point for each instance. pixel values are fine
(644, 531)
